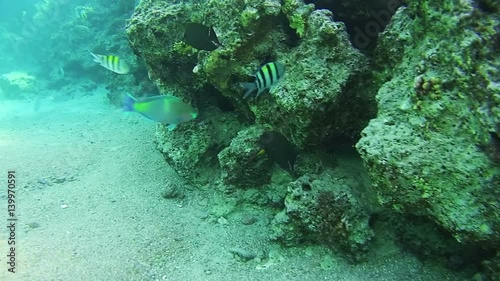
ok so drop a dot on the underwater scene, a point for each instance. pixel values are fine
(256, 140)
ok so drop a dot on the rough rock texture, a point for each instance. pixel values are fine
(321, 66)
(323, 74)
(240, 163)
(432, 152)
(153, 31)
(429, 151)
(492, 267)
(363, 19)
(16, 85)
(192, 149)
(324, 209)
(308, 106)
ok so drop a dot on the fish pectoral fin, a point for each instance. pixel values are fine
(171, 127)
(262, 151)
(273, 88)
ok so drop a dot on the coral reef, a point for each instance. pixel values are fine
(324, 209)
(297, 15)
(239, 162)
(307, 105)
(192, 148)
(438, 109)
(364, 19)
(492, 267)
(323, 74)
(16, 84)
(431, 151)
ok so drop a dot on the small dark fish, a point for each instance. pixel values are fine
(279, 149)
(267, 77)
(201, 37)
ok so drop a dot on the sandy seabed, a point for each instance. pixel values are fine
(89, 207)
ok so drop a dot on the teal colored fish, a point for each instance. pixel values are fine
(267, 77)
(165, 109)
(112, 63)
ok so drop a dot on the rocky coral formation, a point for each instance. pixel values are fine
(315, 88)
(306, 108)
(428, 149)
(323, 74)
(492, 267)
(17, 84)
(364, 20)
(323, 209)
(240, 162)
(432, 152)
(192, 149)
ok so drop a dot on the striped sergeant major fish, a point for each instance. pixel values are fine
(267, 77)
(112, 63)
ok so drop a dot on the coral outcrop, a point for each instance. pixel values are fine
(323, 209)
(241, 163)
(322, 77)
(17, 84)
(321, 65)
(432, 151)
(192, 149)
(429, 151)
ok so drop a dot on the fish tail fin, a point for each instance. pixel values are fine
(171, 127)
(250, 87)
(96, 58)
(128, 103)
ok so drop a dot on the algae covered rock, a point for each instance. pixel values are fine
(154, 32)
(194, 142)
(319, 72)
(432, 152)
(321, 69)
(428, 150)
(323, 209)
(492, 267)
(240, 163)
(16, 84)
(192, 147)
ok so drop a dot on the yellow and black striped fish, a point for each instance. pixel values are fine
(266, 78)
(112, 63)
